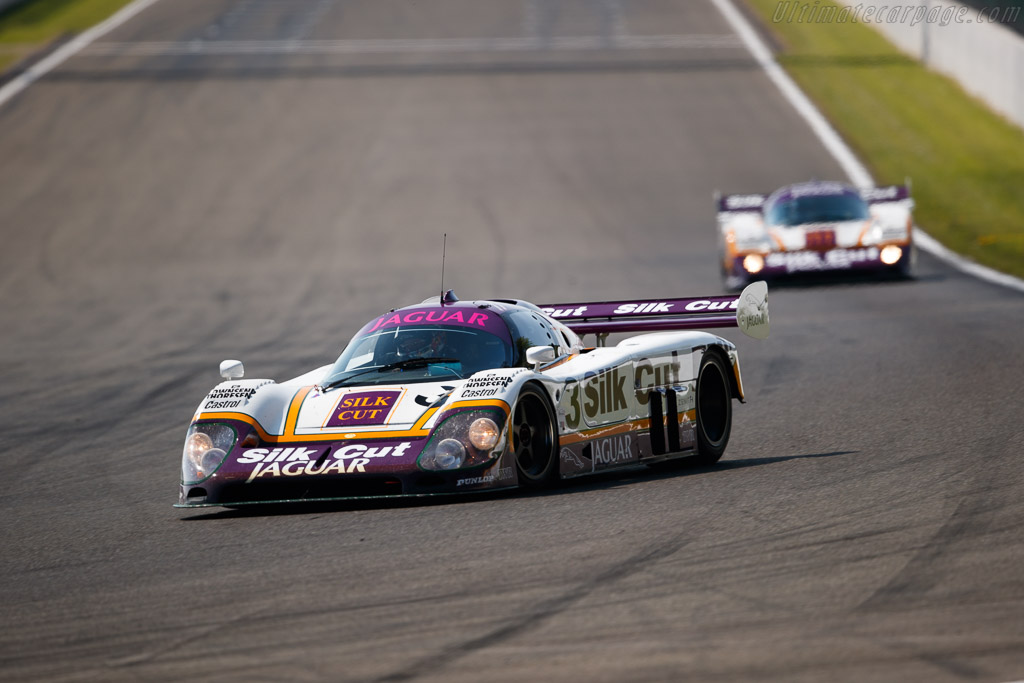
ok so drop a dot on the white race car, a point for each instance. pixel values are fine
(449, 396)
(815, 227)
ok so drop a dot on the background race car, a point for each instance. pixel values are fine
(451, 396)
(815, 227)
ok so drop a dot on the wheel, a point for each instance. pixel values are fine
(907, 268)
(533, 439)
(730, 281)
(714, 409)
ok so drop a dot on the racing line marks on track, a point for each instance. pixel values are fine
(542, 613)
(840, 151)
(379, 46)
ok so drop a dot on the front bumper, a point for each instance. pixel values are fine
(838, 260)
(311, 471)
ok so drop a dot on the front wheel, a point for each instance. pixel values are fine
(714, 409)
(907, 268)
(534, 440)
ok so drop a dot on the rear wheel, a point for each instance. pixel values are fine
(714, 409)
(534, 440)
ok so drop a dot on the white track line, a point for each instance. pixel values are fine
(854, 169)
(52, 61)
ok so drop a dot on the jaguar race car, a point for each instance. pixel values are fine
(449, 396)
(815, 227)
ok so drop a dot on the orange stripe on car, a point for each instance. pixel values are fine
(291, 437)
(615, 430)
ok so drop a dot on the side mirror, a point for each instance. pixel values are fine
(538, 355)
(232, 369)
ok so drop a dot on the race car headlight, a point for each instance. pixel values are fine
(753, 263)
(891, 254)
(483, 433)
(206, 447)
(450, 455)
(465, 439)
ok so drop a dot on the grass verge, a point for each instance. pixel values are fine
(32, 25)
(966, 162)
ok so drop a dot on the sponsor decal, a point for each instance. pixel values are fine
(687, 433)
(229, 397)
(751, 317)
(803, 261)
(644, 308)
(565, 312)
(708, 305)
(604, 396)
(569, 456)
(502, 474)
(436, 316)
(222, 405)
(487, 386)
(881, 193)
(363, 408)
(818, 189)
(744, 201)
(612, 451)
(651, 373)
(290, 462)
(232, 392)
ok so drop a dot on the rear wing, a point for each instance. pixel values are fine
(740, 203)
(753, 203)
(884, 195)
(748, 311)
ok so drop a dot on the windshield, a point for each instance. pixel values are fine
(418, 353)
(816, 209)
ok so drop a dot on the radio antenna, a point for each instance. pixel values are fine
(444, 248)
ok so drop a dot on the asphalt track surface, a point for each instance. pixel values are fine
(190, 190)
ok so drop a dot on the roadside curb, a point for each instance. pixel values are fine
(67, 50)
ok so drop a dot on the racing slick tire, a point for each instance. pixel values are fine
(534, 440)
(714, 409)
(907, 267)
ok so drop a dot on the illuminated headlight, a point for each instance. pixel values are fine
(891, 254)
(753, 263)
(483, 433)
(206, 447)
(463, 440)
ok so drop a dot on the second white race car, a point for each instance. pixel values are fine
(815, 227)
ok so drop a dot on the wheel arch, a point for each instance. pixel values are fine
(732, 378)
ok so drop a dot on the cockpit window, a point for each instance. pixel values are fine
(404, 347)
(822, 208)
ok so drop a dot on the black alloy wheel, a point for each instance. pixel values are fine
(533, 439)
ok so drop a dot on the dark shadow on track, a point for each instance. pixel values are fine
(589, 483)
(207, 72)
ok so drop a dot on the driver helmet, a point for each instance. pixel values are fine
(421, 343)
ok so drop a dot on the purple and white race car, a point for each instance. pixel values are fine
(815, 227)
(453, 396)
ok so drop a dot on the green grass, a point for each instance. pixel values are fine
(966, 162)
(33, 24)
